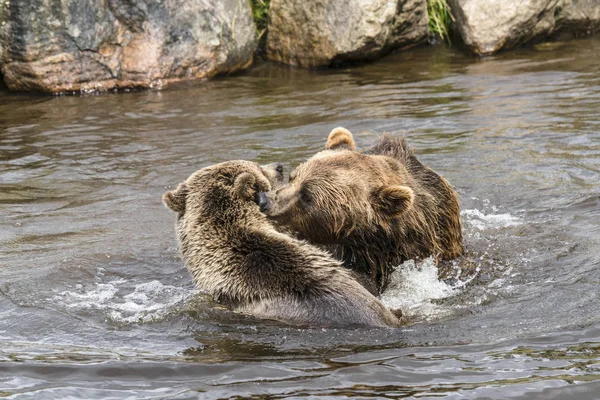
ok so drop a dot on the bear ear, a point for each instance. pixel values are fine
(175, 199)
(340, 139)
(244, 185)
(395, 199)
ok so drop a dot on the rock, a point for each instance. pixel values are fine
(3, 25)
(319, 33)
(88, 45)
(487, 26)
(578, 17)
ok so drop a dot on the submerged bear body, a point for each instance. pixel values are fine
(373, 209)
(233, 252)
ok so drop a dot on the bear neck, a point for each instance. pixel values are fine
(376, 251)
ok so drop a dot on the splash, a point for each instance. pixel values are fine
(414, 285)
(147, 302)
(482, 221)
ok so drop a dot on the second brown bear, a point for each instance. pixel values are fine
(373, 209)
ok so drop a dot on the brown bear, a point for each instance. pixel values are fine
(233, 252)
(373, 209)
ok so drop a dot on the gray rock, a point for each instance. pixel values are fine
(578, 17)
(3, 24)
(88, 45)
(487, 26)
(315, 33)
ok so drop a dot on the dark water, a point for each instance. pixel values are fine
(94, 302)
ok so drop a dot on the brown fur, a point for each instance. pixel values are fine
(340, 138)
(374, 209)
(233, 252)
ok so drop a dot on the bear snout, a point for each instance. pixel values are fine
(263, 201)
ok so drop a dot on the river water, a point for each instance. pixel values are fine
(95, 303)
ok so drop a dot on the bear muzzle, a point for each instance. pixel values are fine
(263, 201)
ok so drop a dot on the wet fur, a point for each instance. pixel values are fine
(431, 228)
(233, 252)
(371, 229)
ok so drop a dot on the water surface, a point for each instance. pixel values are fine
(95, 303)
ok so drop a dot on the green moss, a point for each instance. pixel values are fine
(260, 12)
(440, 19)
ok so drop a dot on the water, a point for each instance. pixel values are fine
(95, 303)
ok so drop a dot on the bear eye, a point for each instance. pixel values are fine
(261, 187)
(305, 197)
(279, 168)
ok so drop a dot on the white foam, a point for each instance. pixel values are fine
(482, 221)
(414, 285)
(148, 302)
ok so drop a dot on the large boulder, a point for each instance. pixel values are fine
(317, 33)
(487, 26)
(87, 45)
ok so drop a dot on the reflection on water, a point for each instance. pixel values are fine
(94, 301)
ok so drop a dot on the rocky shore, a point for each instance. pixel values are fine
(95, 45)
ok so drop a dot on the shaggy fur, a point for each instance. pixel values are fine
(374, 210)
(233, 252)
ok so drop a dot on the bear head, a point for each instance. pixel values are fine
(340, 191)
(223, 190)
